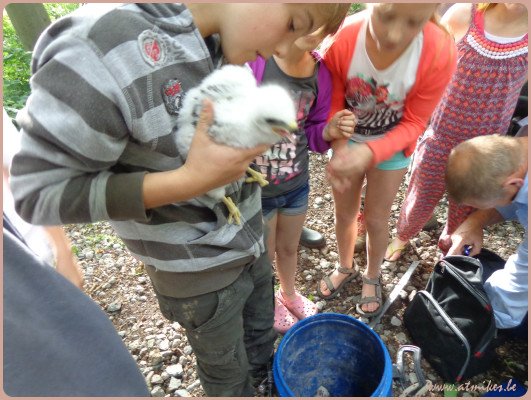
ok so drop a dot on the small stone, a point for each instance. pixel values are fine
(166, 355)
(157, 392)
(175, 370)
(155, 358)
(412, 295)
(431, 376)
(194, 385)
(424, 236)
(182, 393)
(143, 352)
(149, 375)
(401, 337)
(403, 294)
(115, 306)
(322, 392)
(156, 379)
(309, 278)
(174, 384)
(164, 345)
(395, 321)
(318, 201)
(187, 350)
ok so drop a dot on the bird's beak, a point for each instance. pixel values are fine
(285, 130)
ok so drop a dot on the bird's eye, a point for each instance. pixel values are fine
(272, 121)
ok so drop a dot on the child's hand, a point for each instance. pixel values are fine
(348, 162)
(341, 126)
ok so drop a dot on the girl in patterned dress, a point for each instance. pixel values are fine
(480, 100)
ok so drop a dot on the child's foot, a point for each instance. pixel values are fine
(297, 304)
(371, 296)
(331, 284)
(284, 319)
(395, 249)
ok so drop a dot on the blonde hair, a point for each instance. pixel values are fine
(334, 14)
(485, 6)
(478, 167)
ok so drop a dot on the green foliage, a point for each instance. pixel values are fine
(17, 60)
(16, 69)
(58, 10)
(75, 250)
(356, 7)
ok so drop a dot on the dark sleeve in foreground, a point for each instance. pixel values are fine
(57, 341)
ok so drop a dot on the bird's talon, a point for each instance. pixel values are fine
(234, 213)
(256, 177)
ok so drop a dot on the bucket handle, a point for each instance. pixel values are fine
(399, 372)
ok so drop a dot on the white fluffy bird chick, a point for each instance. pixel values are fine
(245, 115)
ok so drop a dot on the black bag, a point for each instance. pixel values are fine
(452, 320)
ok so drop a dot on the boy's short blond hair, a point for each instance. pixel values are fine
(334, 14)
(477, 168)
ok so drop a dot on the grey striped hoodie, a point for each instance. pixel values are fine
(106, 87)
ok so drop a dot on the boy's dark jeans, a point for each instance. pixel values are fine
(230, 330)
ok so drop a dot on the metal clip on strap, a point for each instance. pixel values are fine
(399, 373)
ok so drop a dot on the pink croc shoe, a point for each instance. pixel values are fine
(301, 307)
(284, 319)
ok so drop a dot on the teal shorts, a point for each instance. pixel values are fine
(398, 161)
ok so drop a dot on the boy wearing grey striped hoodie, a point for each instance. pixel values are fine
(99, 133)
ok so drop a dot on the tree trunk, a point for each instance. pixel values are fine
(29, 20)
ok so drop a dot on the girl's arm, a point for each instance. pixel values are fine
(317, 117)
(320, 134)
(457, 19)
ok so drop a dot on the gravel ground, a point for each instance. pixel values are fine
(119, 284)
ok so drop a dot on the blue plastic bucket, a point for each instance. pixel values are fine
(334, 351)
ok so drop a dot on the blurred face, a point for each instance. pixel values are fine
(393, 26)
(252, 29)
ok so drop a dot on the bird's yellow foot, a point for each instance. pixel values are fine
(256, 177)
(234, 213)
